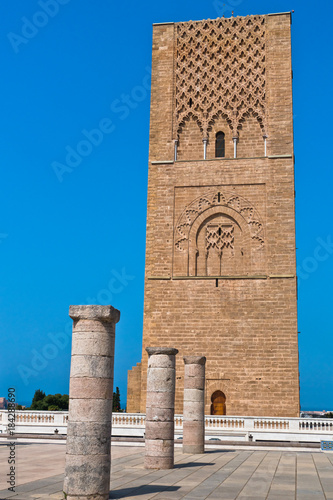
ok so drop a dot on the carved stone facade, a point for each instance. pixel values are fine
(218, 233)
(220, 69)
(220, 260)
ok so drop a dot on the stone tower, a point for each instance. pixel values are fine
(220, 260)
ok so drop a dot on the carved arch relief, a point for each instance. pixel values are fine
(218, 234)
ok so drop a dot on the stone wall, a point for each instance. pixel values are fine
(134, 389)
(220, 258)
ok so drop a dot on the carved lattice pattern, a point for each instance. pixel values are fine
(220, 69)
(222, 199)
(219, 236)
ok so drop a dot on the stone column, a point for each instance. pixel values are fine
(88, 452)
(194, 405)
(160, 410)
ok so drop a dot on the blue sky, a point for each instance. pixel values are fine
(76, 235)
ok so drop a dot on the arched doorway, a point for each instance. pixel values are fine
(218, 406)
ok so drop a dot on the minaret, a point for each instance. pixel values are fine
(220, 256)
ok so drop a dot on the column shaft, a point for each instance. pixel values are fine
(194, 405)
(88, 451)
(160, 408)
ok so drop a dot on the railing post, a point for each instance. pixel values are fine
(294, 424)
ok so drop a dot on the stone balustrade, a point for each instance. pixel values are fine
(216, 427)
(41, 422)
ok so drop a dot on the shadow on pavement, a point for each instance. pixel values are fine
(192, 464)
(219, 451)
(141, 490)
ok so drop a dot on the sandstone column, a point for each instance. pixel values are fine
(194, 405)
(88, 452)
(160, 411)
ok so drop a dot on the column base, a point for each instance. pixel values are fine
(193, 448)
(87, 497)
(161, 463)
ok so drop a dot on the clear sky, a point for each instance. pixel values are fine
(73, 213)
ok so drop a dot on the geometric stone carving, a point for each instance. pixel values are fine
(220, 69)
(219, 236)
(223, 200)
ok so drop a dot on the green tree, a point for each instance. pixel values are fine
(64, 400)
(39, 405)
(328, 415)
(116, 400)
(53, 408)
(39, 396)
(51, 402)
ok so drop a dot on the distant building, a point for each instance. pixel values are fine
(313, 414)
(3, 403)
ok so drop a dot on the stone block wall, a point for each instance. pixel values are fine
(134, 389)
(220, 254)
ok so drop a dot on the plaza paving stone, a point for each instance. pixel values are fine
(225, 474)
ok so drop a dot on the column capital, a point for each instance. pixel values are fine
(194, 360)
(106, 314)
(161, 350)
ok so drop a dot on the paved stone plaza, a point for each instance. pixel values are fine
(217, 474)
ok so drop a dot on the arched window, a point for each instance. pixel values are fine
(218, 406)
(220, 145)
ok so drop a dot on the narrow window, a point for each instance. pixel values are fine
(220, 145)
